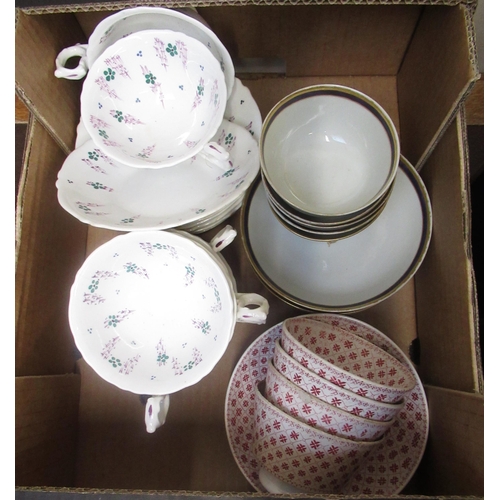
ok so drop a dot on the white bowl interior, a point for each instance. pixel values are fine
(153, 98)
(152, 312)
(327, 154)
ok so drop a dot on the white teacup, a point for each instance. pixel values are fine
(127, 21)
(329, 152)
(152, 312)
(154, 99)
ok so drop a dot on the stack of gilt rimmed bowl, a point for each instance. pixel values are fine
(168, 137)
(326, 404)
(329, 158)
(339, 220)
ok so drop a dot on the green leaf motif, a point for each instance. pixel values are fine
(150, 78)
(172, 49)
(109, 74)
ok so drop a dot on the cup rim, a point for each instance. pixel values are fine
(362, 420)
(346, 374)
(383, 405)
(307, 428)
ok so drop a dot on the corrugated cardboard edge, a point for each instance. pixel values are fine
(22, 186)
(34, 111)
(172, 495)
(89, 7)
(467, 223)
(471, 35)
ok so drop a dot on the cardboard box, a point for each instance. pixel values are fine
(78, 435)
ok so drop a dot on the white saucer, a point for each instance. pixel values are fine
(242, 110)
(391, 465)
(348, 275)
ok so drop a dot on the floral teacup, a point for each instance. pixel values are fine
(154, 99)
(152, 312)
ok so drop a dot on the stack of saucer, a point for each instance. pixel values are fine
(327, 399)
(168, 136)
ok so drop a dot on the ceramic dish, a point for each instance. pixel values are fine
(400, 453)
(295, 218)
(152, 312)
(330, 393)
(348, 361)
(127, 21)
(303, 456)
(100, 191)
(154, 99)
(296, 402)
(322, 235)
(205, 224)
(348, 275)
(329, 151)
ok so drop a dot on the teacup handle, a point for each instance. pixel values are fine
(78, 50)
(223, 238)
(257, 315)
(156, 412)
(216, 155)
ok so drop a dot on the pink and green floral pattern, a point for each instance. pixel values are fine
(149, 308)
(148, 90)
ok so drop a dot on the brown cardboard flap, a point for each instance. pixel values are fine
(54, 102)
(317, 40)
(446, 322)
(436, 74)
(46, 429)
(50, 250)
(454, 457)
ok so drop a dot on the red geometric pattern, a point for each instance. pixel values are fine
(316, 413)
(331, 393)
(388, 468)
(308, 459)
(347, 360)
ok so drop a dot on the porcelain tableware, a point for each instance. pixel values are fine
(124, 22)
(154, 99)
(400, 452)
(331, 393)
(315, 412)
(277, 203)
(349, 275)
(103, 192)
(329, 151)
(346, 359)
(322, 234)
(152, 312)
(304, 456)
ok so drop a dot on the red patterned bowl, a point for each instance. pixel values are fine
(305, 457)
(325, 390)
(346, 359)
(312, 411)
